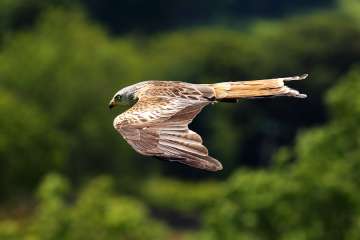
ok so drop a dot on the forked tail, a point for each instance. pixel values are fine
(231, 91)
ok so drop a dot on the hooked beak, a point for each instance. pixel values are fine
(112, 104)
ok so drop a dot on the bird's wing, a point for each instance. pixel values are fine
(158, 126)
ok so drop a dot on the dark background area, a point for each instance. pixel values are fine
(137, 16)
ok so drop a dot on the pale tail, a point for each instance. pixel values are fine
(229, 91)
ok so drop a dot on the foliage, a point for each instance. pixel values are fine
(144, 16)
(351, 8)
(58, 70)
(27, 137)
(266, 205)
(336, 145)
(98, 213)
(314, 198)
(186, 197)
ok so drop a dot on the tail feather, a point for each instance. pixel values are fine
(257, 88)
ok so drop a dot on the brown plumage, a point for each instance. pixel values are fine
(157, 124)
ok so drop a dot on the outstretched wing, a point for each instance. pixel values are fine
(158, 126)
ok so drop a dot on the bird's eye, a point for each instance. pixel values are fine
(118, 98)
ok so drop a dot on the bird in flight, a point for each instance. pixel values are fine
(157, 123)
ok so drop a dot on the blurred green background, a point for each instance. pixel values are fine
(291, 167)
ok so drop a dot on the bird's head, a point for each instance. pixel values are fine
(125, 96)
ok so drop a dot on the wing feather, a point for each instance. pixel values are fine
(157, 125)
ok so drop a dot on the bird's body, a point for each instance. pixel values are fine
(157, 123)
